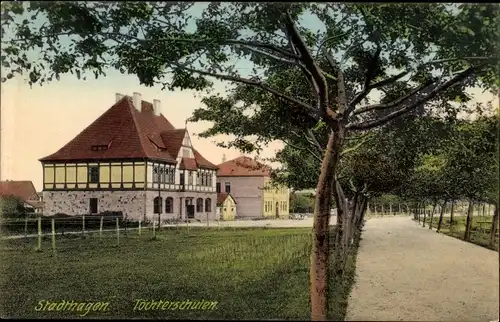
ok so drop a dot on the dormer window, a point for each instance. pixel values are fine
(99, 147)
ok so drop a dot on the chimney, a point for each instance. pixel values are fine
(157, 107)
(137, 101)
(119, 97)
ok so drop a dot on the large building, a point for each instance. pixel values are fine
(130, 159)
(249, 183)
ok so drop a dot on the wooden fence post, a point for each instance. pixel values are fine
(208, 225)
(139, 227)
(117, 232)
(83, 226)
(125, 224)
(154, 228)
(100, 227)
(26, 226)
(39, 244)
(53, 236)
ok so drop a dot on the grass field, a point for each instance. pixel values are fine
(251, 273)
(480, 234)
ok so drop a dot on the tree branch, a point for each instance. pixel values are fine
(312, 139)
(316, 156)
(264, 53)
(311, 110)
(435, 92)
(395, 102)
(324, 111)
(367, 88)
(368, 79)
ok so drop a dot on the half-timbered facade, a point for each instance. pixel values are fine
(130, 159)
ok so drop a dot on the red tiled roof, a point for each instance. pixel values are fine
(21, 189)
(129, 134)
(202, 162)
(172, 140)
(243, 167)
(188, 164)
(222, 196)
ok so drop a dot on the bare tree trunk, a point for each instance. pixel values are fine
(494, 227)
(383, 210)
(361, 218)
(441, 215)
(484, 209)
(432, 214)
(423, 222)
(468, 224)
(318, 272)
(451, 214)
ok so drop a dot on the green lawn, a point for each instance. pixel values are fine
(253, 273)
(480, 233)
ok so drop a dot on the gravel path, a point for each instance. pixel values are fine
(409, 273)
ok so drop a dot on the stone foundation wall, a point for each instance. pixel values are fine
(131, 203)
(177, 200)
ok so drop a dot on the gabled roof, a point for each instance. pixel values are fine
(35, 204)
(21, 189)
(188, 164)
(126, 133)
(243, 167)
(222, 196)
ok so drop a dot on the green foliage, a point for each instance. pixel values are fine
(463, 165)
(11, 206)
(301, 203)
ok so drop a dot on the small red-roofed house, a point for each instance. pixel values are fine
(226, 206)
(22, 190)
(130, 159)
(249, 183)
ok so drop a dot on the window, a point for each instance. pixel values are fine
(202, 178)
(99, 147)
(93, 174)
(170, 175)
(228, 187)
(199, 205)
(208, 205)
(209, 177)
(157, 205)
(190, 177)
(265, 206)
(217, 187)
(169, 205)
(198, 179)
(93, 205)
(158, 174)
(182, 178)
